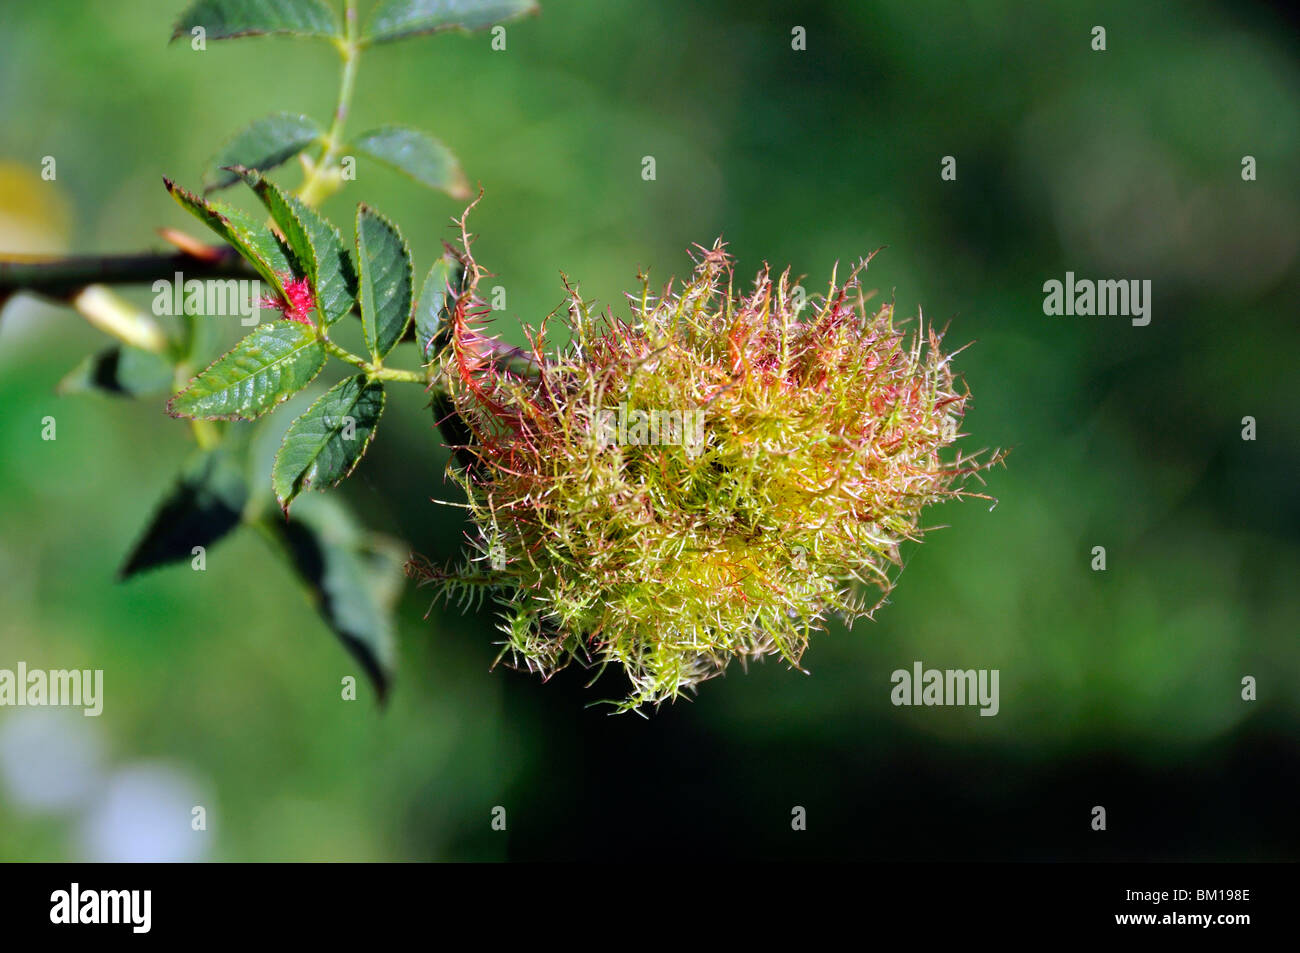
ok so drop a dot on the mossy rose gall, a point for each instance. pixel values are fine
(824, 430)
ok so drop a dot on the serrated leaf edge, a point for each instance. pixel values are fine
(283, 114)
(171, 412)
(459, 189)
(364, 209)
(285, 503)
(180, 30)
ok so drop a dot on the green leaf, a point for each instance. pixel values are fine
(265, 144)
(254, 241)
(354, 579)
(436, 300)
(394, 19)
(122, 371)
(204, 506)
(416, 154)
(271, 364)
(316, 244)
(387, 278)
(324, 445)
(226, 19)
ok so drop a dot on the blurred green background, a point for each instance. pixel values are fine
(1119, 688)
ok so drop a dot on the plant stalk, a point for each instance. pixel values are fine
(63, 277)
(321, 183)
